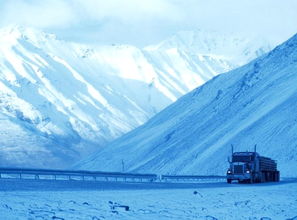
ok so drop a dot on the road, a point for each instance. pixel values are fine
(61, 200)
(41, 185)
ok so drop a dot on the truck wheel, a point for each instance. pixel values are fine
(252, 180)
(276, 177)
(229, 180)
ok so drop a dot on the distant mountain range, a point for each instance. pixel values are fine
(254, 104)
(60, 101)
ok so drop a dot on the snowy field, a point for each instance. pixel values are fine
(29, 199)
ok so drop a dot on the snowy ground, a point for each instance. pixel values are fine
(89, 200)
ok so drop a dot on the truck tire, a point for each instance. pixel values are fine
(229, 181)
(277, 177)
(262, 178)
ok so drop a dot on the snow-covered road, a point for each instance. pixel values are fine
(83, 200)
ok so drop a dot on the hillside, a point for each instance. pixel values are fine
(61, 101)
(254, 104)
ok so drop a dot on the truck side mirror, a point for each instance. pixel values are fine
(229, 160)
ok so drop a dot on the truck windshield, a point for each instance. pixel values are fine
(241, 158)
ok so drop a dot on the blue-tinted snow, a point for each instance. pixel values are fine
(87, 200)
(60, 101)
(254, 104)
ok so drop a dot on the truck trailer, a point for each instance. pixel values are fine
(250, 167)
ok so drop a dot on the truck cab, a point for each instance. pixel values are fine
(242, 165)
(251, 167)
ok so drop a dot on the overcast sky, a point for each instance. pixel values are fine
(143, 22)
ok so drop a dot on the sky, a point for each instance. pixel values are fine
(145, 22)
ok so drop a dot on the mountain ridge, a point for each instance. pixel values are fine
(253, 104)
(80, 97)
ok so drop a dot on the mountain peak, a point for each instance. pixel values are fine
(235, 48)
(15, 32)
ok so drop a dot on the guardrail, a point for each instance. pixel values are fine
(48, 174)
(74, 175)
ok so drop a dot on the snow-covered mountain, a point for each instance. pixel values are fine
(254, 104)
(232, 49)
(60, 101)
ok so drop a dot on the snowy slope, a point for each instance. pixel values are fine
(254, 104)
(62, 100)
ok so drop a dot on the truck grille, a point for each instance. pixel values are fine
(238, 169)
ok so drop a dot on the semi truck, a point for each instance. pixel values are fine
(250, 167)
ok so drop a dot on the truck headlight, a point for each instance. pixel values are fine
(247, 171)
(228, 171)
